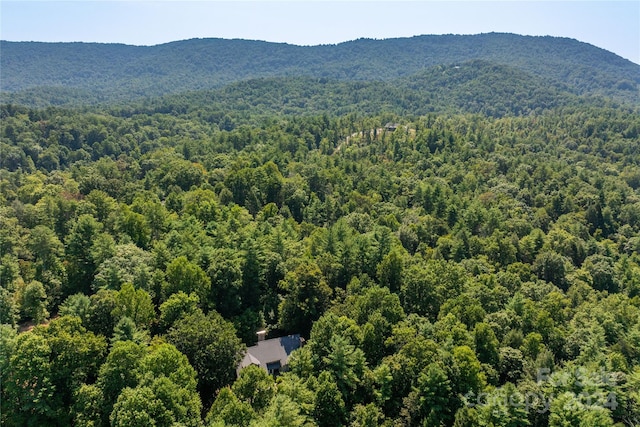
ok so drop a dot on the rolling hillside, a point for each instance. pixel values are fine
(451, 223)
(88, 73)
(475, 87)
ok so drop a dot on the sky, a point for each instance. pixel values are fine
(612, 25)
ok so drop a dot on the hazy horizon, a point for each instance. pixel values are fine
(614, 26)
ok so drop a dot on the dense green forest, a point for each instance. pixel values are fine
(459, 246)
(457, 256)
(81, 73)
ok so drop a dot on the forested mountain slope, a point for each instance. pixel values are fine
(475, 86)
(462, 270)
(452, 223)
(109, 72)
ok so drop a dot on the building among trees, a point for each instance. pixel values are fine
(271, 354)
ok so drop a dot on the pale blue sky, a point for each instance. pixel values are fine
(612, 25)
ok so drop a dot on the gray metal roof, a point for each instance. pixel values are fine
(271, 350)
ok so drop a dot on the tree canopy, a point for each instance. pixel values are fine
(477, 264)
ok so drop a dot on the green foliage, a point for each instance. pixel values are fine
(210, 344)
(329, 404)
(566, 409)
(346, 363)
(307, 297)
(466, 372)
(185, 66)
(28, 391)
(164, 360)
(119, 371)
(48, 254)
(8, 308)
(33, 302)
(390, 271)
(427, 286)
(511, 365)
(225, 272)
(126, 330)
(45, 368)
(550, 266)
(76, 305)
(184, 276)
(436, 271)
(177, 306)
(366, 416)
(230, 410)
(79, 242)
(135, 304)
(138, 407)
(298, 391)
(283, 412)
(87, 406)
(506, 406)
(254, 386)
(434, 391)
(129, 264)
(101, 306)
(486, 344)
(162, 403)
(156, 385)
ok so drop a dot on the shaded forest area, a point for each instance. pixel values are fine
(463, 269)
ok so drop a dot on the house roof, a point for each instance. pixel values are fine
(271, 350)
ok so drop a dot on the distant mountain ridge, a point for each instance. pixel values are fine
(107, 73)
(474, 86)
